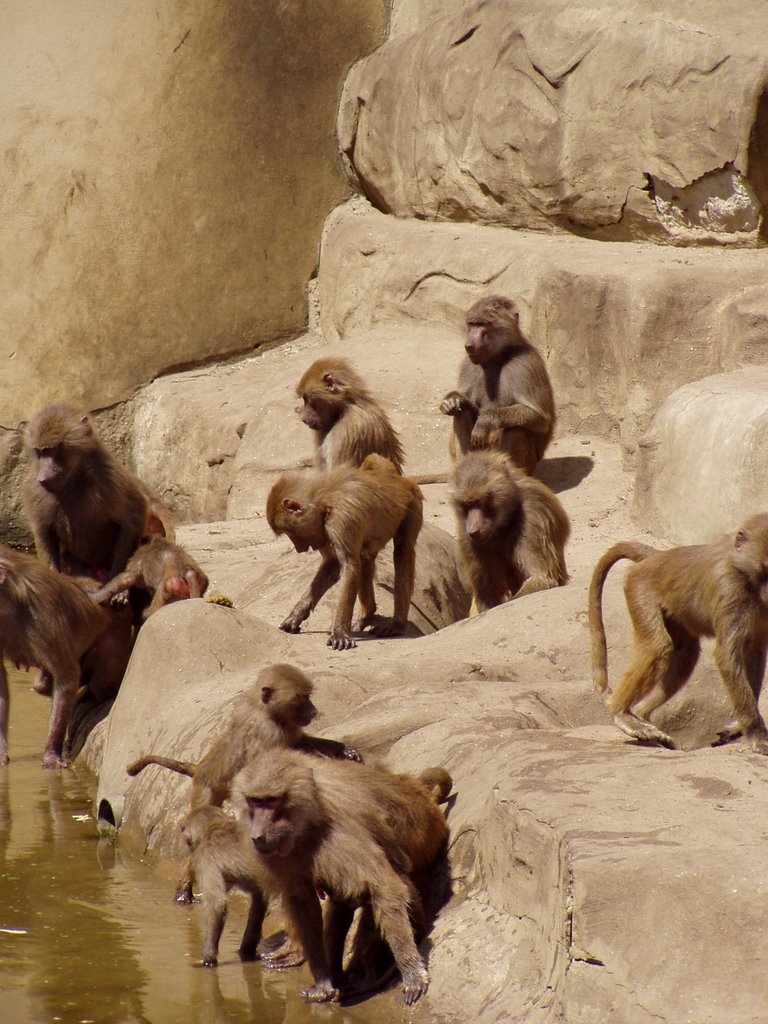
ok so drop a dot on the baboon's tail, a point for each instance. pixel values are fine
(182, 767)
(636, 552)
(439, 783)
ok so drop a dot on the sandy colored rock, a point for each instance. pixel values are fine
(158, 208)
(606, 120)
(704, 461)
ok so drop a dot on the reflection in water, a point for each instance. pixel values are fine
(89, 933)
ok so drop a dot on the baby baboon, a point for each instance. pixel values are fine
(271, 714)
(674, 598)
(349, 423)
(348, 515)
(511, 530)
(355, 833)
(49, 622)
(223, 857)
(160, 572)
(504, 398)
(87, 511)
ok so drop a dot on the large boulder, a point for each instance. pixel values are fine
(612, 120)
(704, 461)
(166, 175)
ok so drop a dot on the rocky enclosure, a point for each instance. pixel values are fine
(606, 166)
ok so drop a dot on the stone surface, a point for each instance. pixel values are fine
(704, 461)
(620, 326)
(166, 172)
(605, 119)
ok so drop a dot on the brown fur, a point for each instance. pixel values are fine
(325, 825)
(269, 715)
(87, 511)
(163, 571)
(349, 423)
(511, 530)
(49, 622)
(674, 598)
(504, 398)
(222, 858)
(348, 515)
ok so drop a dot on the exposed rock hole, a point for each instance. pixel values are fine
(719, 205)
(467, 35)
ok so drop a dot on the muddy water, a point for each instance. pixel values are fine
(89, 933)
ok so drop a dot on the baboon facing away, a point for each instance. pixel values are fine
(674, 598)
(49, 622)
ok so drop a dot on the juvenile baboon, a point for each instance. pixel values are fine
(87, 511)
(511, 530)
(222, 858)
(161, 572)
(354, 833)
(348, 421)
(271, 714)
(504, 398)
(49, 622)
(348, 515)
(674, 598)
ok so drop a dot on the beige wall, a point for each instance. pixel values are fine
(165, 171)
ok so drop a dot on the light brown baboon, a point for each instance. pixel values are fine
(352, 832)
(160, 572)
(348, 515)
(504, 398)
(348, 421)
(511, 529)
(222, 858)
(271, 714)
(674, 598)
(160, 522)
(49, 622)
(87, 511)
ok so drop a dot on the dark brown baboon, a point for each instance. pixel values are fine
(87, 511)
(161, 572)
(504, 398)
(674, 598)
(49, 622)
(222, 858)
(271, 714)
(352, 832)
(349, 423)
(348, 515)
(511, 530)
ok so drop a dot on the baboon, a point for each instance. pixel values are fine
(674, 598)
(223, 857)
(348, 421)
(49, 622)
(348, 514)
(353, 833)
(504, 398)
(159, 572)
(87, 511)
(511, 530)
(271, 714)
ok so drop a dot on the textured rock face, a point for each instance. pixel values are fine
(166, 172)
(617, 121)
(704, 461)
